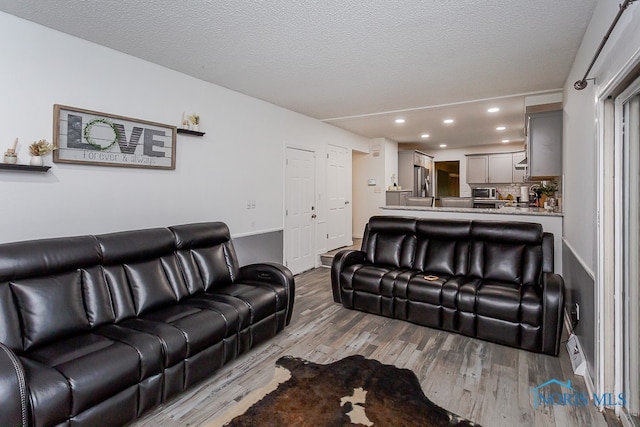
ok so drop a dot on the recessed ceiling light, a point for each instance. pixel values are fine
(443, 145)
(501, 128)
(424, 135)
(493, 110)
(504, 141)
(448, 121)
(399, 121)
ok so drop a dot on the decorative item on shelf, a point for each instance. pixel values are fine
(185, 123)
(195, 122)
(545, 191)
(10, 156)
(38, 149)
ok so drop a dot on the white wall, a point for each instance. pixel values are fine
(580, 164)
(367, 200)
(459, 154)
(241, 157)
(580, 131)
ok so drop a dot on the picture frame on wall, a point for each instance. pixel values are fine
(94, 138)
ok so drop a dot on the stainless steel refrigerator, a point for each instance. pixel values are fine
(422, 185)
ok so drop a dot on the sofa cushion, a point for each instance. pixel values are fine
(189, 320)
(149, 286)
(49, 394)
(95, 367)
(9, 320)
(206, 255)
(390, 243)
(507, 232)
(51, 308)
(135, 246)
(503, 262)
(36, 258)
(499, 301)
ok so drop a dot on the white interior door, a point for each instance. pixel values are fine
(300, 211)
(338, 197)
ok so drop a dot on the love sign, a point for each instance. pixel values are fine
(91, 137)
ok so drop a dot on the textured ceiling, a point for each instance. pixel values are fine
(332, 59)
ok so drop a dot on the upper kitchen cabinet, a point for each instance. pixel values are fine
(544, 144)
(477, 169)
(498, 168)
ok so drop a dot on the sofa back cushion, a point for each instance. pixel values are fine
(206, 255)
(390, 241)
(509, 252)
(443, 246)
(41, 296)
(9, 320)
(141, 272)
(51, 307)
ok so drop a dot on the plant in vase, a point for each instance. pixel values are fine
(546, 193)
(38, 149)
(195, 121)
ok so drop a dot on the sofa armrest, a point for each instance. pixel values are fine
(13, 390)
(552, 312)
(272, 273)
(342, 260)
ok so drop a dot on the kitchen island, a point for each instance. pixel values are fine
(551, 221)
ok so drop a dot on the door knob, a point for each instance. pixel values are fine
(313, 216)
(346, 203)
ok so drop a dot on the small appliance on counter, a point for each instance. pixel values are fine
(489, 193)
(524, 194)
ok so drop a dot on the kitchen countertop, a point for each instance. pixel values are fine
(507, 210)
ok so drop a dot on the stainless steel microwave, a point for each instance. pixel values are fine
(484, 193)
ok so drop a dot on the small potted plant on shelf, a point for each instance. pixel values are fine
(195, 121)
(38, 149)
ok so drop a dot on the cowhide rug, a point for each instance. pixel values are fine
(351, 391)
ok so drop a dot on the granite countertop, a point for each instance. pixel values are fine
(507, 210)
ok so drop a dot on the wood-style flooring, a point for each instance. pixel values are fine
(487, 383)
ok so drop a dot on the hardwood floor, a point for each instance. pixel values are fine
(487, 383)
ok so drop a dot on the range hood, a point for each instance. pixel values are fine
(522, 164)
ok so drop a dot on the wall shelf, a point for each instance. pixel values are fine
(190, 132)
(25, 168)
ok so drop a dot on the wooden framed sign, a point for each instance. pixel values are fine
(91, 137)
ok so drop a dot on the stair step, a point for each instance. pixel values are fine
(326, 260)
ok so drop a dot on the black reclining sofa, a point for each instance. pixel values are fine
(486, 279)
(95, 330)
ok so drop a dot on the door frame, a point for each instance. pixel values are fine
(609, 284)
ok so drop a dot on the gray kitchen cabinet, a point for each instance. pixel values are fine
(500, 167)
(544, 144)
(520, 172)
(477, 169)
(398, 197)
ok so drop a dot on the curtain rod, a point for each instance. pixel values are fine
(581, 84)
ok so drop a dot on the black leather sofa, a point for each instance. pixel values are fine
(96, 330)
(491, 280)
